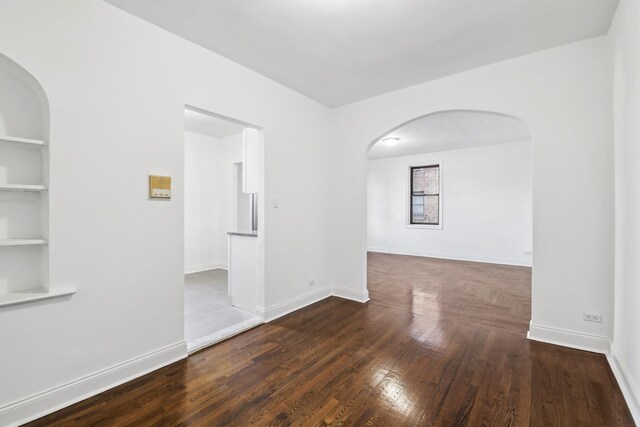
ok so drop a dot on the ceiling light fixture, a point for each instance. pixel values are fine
(390, 141)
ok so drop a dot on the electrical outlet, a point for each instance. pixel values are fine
(312, 282)
(592, 317)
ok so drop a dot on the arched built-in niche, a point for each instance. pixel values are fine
(24, 166)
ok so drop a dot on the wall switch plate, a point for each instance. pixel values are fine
(592, 317)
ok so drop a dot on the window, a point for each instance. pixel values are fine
(424, 200)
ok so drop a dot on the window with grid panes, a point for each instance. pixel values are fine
(425, 195)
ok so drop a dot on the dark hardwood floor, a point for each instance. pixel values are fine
(440, 343)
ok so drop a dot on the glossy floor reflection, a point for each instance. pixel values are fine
(440, 343)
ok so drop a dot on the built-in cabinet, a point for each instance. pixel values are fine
(243, 243)
(243, 270)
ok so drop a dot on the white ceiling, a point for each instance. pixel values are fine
(209, 125)
(451, 130)
(341, 51)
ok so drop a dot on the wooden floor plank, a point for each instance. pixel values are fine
(440, 343)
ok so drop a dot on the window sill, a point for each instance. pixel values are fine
(32, 295)
(425, 226)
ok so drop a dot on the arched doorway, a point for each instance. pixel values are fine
(452, 185)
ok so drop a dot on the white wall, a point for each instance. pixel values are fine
(232, 158)
(625, 38)
(564, 96)
(203, 203)
(486, 196)
(239, 217)
(117, 88)
(212, 204)
(242, 202)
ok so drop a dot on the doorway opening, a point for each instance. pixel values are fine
(450, 217)
(221, 220)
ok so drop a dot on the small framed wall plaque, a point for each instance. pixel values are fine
(159, 187)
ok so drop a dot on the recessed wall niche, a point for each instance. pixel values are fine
(24, 182)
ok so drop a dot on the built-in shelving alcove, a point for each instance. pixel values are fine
(24, 182)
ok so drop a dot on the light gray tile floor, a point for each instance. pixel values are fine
(208, 309)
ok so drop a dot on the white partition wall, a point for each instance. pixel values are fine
(117, 103)
(251, 140)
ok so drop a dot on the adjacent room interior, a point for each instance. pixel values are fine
(450, 217)
(217, 212)
(453, 185)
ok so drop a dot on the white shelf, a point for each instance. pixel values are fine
(22, 242)
(30, 295)
(23, 141)
(22, 187)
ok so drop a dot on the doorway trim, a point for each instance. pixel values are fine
(261, 267)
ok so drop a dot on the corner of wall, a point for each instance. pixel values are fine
(629, 388)
(568, 338)
(361, 296)
(282, 309)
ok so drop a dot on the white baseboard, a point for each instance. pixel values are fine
(520, 262)
(351, 294)
(34, 407)
(223, 334)
(567, 338)
(204, 267)
(49, 401)
(275, 311)
(629, 387)
(294, 304)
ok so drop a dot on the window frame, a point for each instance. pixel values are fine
(409, 196)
